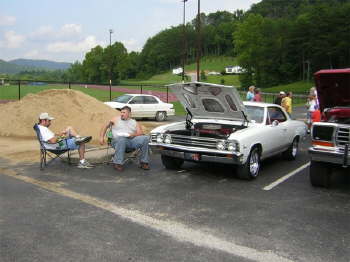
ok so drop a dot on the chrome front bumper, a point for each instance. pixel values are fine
(334, 156)
(198, 154)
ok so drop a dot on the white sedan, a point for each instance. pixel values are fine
(143, 106)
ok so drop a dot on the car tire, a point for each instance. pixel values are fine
(292, 151)
(171, 162)
(320, 174)
(250, 170)
(161, 116)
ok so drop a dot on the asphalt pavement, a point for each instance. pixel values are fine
(199, 213)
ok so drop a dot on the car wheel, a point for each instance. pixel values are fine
(171, 162)
(292, 151)
(161, 116)
(320, 174)
(251, 168)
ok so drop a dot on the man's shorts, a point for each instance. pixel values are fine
(68, 143)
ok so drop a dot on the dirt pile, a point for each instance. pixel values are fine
(69, 107)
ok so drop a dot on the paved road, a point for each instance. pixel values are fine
(200, 213)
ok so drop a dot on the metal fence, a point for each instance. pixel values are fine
(16, 89)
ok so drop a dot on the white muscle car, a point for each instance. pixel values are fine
(219, 127)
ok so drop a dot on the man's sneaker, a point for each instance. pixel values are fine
(86, 164)
(144, 166)
(118, 167)
(82, 139)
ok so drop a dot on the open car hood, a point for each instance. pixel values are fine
(205, 100)
(333, 87)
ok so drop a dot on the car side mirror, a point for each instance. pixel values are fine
(275, 123)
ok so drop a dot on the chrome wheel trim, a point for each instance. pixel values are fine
(254, 163)
(295, 148)
(160, 116)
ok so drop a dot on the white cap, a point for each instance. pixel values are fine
(282, 93)
(43, 116)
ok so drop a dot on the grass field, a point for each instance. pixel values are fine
(11, 93)
(300, 87)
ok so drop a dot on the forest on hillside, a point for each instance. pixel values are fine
(275, 42)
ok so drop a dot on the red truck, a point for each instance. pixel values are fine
(330, 137)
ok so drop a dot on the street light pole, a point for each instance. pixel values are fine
(198, 38)
(184, 42)
(110, 65)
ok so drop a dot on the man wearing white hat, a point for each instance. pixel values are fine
(72, 140)
(279, 98)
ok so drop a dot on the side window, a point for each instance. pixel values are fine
(137, 100)
(150, 100)
(275, 113)
(212, 105)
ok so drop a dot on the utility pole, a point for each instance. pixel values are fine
(184, 42)
(198, 38)
(110, 65)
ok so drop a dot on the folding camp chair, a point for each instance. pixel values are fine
(130, 155)
(52, 153)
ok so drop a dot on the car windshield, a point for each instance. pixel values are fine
(122, 99)
(256, 113)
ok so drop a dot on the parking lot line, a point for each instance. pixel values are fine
(284, 178)
(176, 230)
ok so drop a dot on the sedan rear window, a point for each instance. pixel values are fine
(150, 100)
(122, 99)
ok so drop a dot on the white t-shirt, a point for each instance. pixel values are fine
(46, 135)
(312, 105)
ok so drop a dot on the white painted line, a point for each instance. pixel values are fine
(284, 178)
(178, 231)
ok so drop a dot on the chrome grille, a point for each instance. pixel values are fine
(192, 141)
(342, 136)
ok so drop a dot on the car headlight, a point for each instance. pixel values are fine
(167, 139)
(233, 146)
(160, 138)
(220, 145)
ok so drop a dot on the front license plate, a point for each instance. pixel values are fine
(194, 157)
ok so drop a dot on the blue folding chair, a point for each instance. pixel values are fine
(52, 153)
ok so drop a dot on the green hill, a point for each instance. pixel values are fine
(41, 64)
(8, 68)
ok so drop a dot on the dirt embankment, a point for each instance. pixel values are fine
(69, 108)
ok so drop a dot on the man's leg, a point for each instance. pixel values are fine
(120, 144)
(142, 143)
(81, 151)
(70, 131)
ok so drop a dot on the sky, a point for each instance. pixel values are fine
(64, 30)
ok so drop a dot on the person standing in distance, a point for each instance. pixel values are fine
(287, 103)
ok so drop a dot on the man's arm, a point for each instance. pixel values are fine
(139, 131)
(52, 140)
(104, 129)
